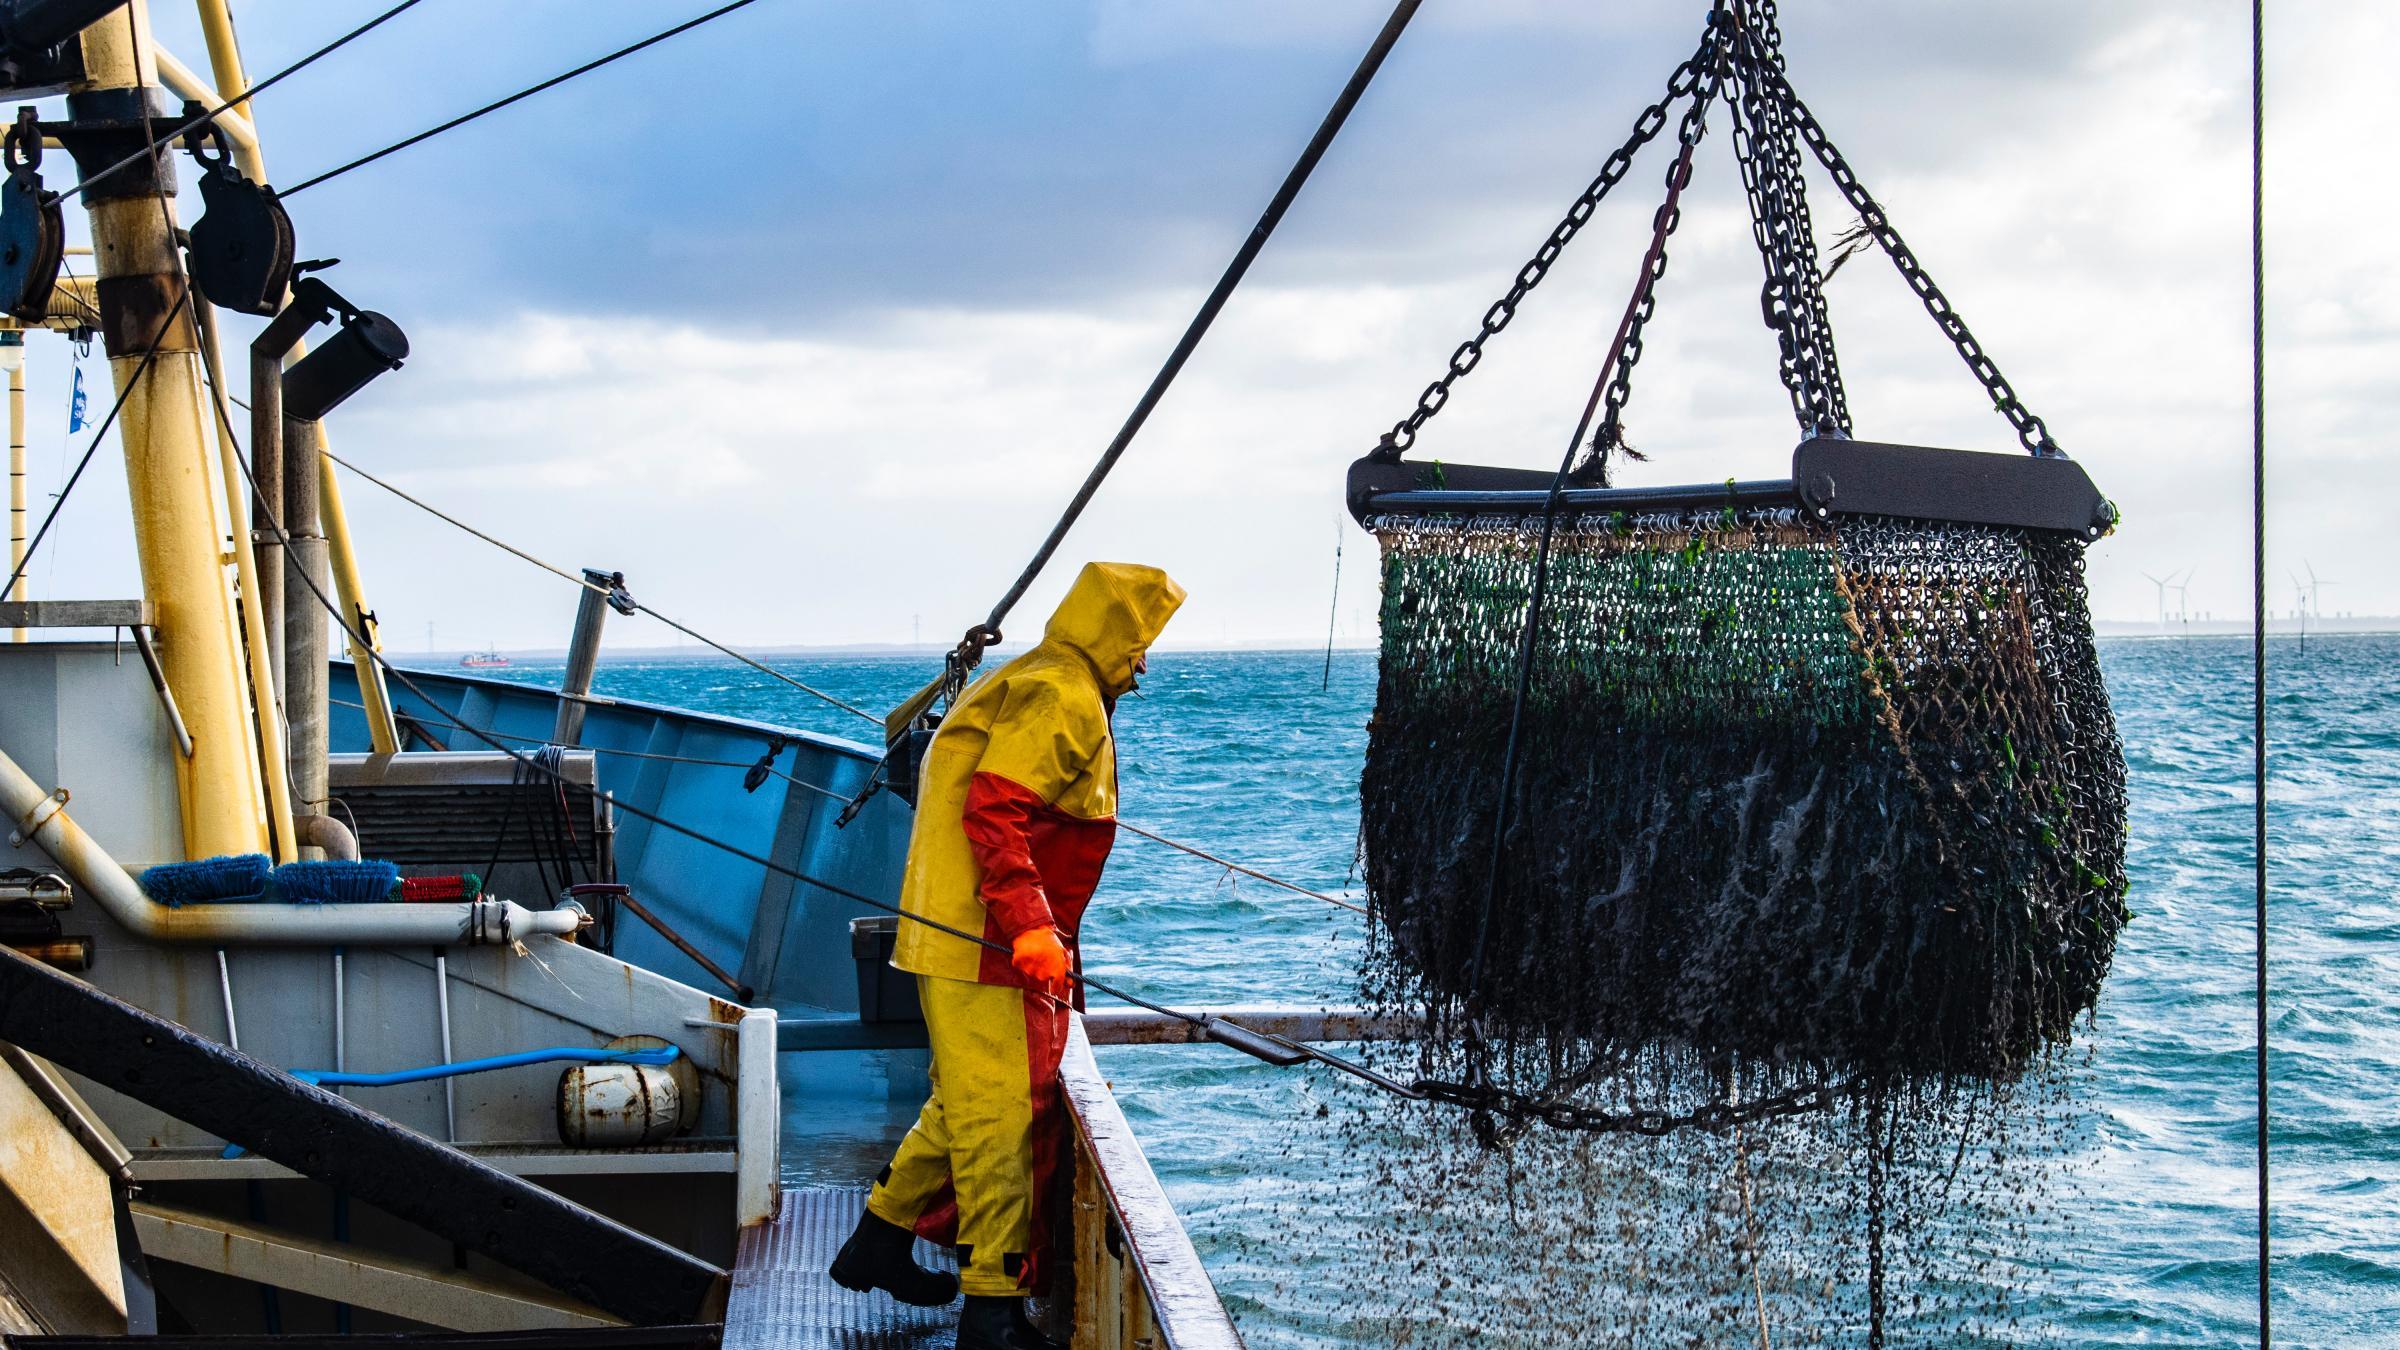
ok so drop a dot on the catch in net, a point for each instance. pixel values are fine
(1814, 776)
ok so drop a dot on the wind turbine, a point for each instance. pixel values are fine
(2161, 583)
(2182, 586)
(2316, 590)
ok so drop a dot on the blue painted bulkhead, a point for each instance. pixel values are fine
(786, 939)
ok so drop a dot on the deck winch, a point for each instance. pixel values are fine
(1815, 771)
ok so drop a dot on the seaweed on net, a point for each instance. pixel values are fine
(1845, 798)
(1799, 803)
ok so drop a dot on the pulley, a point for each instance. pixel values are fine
(241, 254)
(33, 230)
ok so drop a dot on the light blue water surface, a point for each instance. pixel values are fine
(1244, 754)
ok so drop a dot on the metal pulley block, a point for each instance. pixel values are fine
(33, 229)
(241, 254)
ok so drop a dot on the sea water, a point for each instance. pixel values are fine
(1256, 755)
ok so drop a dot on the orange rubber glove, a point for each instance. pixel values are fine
(1040, 957)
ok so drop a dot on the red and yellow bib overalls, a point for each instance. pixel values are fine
(1016, 811)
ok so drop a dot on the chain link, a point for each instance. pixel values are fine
(1611, 436)
(1792, 300)
(2031, 431)
(1683, 82)
(1514, 1104)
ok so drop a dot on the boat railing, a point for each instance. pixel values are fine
(1138, 1281)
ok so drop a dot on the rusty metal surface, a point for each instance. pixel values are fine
(783, 1300)
(1179, 1308)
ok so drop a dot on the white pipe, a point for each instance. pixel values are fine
(328, 834)
(40, 818)
(186, 83)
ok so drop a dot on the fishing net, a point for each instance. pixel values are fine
(1845, 795)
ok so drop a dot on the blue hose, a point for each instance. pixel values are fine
(332, 1078)
(432, 1072)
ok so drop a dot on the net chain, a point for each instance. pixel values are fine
(1682, 83)
(1770, 126)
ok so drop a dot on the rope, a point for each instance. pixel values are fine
(209, 118)
(2258, 618)
(1232, 866)
(528, 92)
(1678, 175)
(1360, 78)
(828, 793)
(564, 575)
(1207, 1025)
(59, 502)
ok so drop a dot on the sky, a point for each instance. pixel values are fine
(810, 320)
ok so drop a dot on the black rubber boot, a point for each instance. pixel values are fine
(999, 1324)
(881, 1256)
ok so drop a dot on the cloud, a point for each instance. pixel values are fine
(828, 348)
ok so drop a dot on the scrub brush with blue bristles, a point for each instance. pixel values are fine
(231, 879)
(335, 881)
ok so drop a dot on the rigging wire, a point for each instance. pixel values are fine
(1205, 1024)
(752, 662)
(1653, 260)
(209, 118)
(564, 575)
(2258, 624)
(988, 631)
(528, 92)
(829, 794)
(58, 503)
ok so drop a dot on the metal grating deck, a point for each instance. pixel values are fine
(783, 1300)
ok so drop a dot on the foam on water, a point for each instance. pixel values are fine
(2145, 1237)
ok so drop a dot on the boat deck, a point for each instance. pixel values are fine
(782, 1300)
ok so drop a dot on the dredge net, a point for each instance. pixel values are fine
(1825, 817)
(1839, 799)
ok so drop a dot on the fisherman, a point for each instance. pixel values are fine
(1016, 810)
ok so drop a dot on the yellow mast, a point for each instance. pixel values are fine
(233, 81)
(167, 473)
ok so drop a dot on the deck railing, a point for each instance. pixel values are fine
(1139, 1284)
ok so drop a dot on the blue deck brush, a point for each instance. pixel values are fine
(231, 879)
(335, 882)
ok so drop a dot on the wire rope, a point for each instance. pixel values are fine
(989, 630)
(59, 502)
(2258, 630)
(209, 118)
(564, 575)
(829, 794)
(528, 92)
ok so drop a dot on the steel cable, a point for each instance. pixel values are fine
(209, 118)
(58, 503)
(988, 631)
(2258, 626)
(528, 92)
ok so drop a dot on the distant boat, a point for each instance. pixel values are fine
(482, 660)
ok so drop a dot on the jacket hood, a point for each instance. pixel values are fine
(1112, 614)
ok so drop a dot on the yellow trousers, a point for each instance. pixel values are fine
(977, 1169)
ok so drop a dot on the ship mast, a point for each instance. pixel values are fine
(232, 82)
(143, 302)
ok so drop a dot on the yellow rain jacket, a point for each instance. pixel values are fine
(1016, 809)
(1017, 799)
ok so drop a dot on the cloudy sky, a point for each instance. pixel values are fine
(811, 319)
